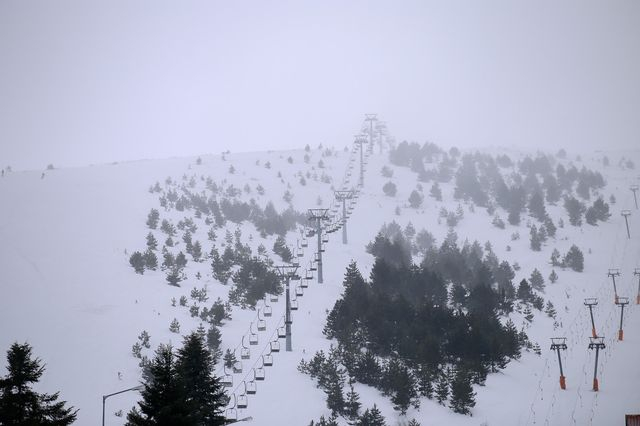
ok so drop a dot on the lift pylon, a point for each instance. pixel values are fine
(318, 215)
(287, 272)
(636, 272)
(634, 189)
(622, 302)
(613, 273)
(344, 196)
(596, 343)
(558, 344)
(590, 302)
(371, 118)
(626, 214)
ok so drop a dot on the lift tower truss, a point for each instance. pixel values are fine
(287, 272)
(590, 302)
(344, 196)
(636, 272)
(634, 188)
(360, 141)
(318, 215)
(626, 214)
(371, 118)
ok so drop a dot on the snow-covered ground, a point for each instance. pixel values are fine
(67, 288)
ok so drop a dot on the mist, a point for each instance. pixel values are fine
(90, 82)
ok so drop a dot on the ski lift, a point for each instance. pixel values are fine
(325, 239)
(258, 373)
(237, 367)
(262, 324)
(273, 297)
(231, 413)
(304, 283)
(313, 267)
(305, 242)
(266, 309)
(294, 304)
(245, 353)
(275, 346)
(226, 379)
(253, 337)
(267, 360)
(299, 291)
(243, 401)
(282, 332)
(251, 387)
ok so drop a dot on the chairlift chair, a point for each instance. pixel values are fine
(231, 413)
(253, 337)
(273, 297)
(258, 373)
(304, 283)
(226, 379)
(267, 360)
(251, 387)
(282, 332)
(243, 401)
(245, 353)
(266, 309)
(299, 291)
(294, 305)
(275, 346)
(262, 324)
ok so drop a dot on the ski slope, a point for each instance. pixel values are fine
(69, 291)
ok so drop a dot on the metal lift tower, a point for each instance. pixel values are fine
(287, 272)
(344, 196)
(319, 215)
(371, 118)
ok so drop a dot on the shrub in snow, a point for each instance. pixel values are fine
(390, 189)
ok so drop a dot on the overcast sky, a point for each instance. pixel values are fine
(91, 82)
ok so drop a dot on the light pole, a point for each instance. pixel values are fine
(104, 397)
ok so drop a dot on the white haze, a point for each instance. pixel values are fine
(84, 82)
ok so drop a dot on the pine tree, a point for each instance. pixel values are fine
(163, 401)
(442, 388)
(550, 310)
(535, 242)
(203, 391)
(150, 260)
(19, 404)
(462, 395)
(536, 280)
(436, 192)
(415, 199)
(152, 219)
(555, 257)
(574, 259)
(553, 276)
(352, 405)
(152, 243)
(371, 417)
(174, 327)
(214, 339)
(229, 358)
(137, 261)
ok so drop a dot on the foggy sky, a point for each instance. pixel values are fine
(91, 82)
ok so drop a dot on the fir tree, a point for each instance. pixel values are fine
(174, 327)
(352, 405)
(152, 219)
(21, 405)
(536, 280)
(371, 417)
(152, 243)
(462, 395)
(442, 388)
(203, 391)
(575, 209)
(574, 259)
(229, 359)
(163, 401)
(436, 192)
(553, 277)
(137, 261)
(415, 199)
(214, 339)
(555, 257)
(150, 260)
(390, 189)
(535, 242)
(550, 310)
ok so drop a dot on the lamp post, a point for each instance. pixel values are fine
(104, 397)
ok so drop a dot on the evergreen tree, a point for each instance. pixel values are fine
(162, 401)
(462, 395)
(371, 417)
(174, 327)
(229, 358)
(21, 405)
(150, 260)
(550, 227)
(390, 189)
(535, 242)
(352, 405)
(203, 391)
(550, 310)
(152, 219)
(574, 259)
(524, 291)
(280, 248)
(442, 388)
(436, 192)
(137, 261)
(214, 339)
(575, 209)
(536, 280)
(553, 277)
(536, 206)
(415, 199)
(152, 243)
(555, 257)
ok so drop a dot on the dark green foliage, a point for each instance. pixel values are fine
(536, 206)
(19, 404)
(137, 261)
(534, 241)
(214, 339)
(415, 199)
(599, 211)
(252, 281)
(280, 248)
(221, 265)
(150, 260)
(462, 395)
(442, 388)
(352, 405)
(399, 382)
(574, 259)
(436, 192)
(467, 184)
(152, 243)
(371, 417)
(390, 189)
(553, 277)
(524, 292)
(152, 219)
(536, 280)
(575, 209)
(229, 359)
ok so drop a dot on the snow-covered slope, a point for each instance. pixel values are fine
(67, 288)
